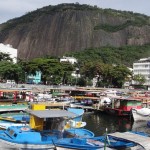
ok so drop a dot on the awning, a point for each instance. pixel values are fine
(51, 113)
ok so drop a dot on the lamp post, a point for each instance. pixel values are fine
(149, 77)
(77, 73)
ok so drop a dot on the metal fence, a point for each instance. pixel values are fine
(31, 86)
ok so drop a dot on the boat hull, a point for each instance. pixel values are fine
(14, 146)
(61, 148)
(93, 143)
(139, 116)
(117, 112)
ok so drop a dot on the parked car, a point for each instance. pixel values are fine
(87, 102)
(10, 82)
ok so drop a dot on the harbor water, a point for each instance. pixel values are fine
(98, 123)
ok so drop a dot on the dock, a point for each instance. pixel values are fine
(13, 108)
(143, 141)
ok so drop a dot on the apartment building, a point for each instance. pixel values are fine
(142, 67)
(8, 49)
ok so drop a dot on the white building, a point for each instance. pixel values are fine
(72, 60)
(9, 50)
(142, 67)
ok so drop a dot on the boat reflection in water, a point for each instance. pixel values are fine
(140, 126)
(97, 123)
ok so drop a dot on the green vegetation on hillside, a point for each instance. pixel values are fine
(110, 55)
(109, 28)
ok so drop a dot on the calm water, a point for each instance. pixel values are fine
(98, 123)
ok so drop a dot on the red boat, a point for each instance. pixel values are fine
(122, 106)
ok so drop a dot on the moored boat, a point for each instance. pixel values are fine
(13, 119)
(75, 122)
(23, 137)
(142, 114)
(122, 106)
(93, 143)
(13, 107)
(36, 136)
(44, 128)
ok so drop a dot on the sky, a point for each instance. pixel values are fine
(10, 9)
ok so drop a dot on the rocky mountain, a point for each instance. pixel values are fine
(55, 30)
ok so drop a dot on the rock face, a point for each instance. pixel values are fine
(57, 32)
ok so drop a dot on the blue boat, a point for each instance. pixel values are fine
(93, 143)
(75, 122)
(79, 133)
(77, 143)
(13, 119)
(79, 113)
(23, 137)
(46, 126)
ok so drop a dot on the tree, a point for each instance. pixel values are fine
(9, 70)
(67, 69)
(5, 57)
(119, 75)
(139, 79)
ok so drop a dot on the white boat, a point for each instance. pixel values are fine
(5, 125)
(141, 114)
(74, 124)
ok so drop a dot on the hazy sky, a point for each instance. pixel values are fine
(15, 8)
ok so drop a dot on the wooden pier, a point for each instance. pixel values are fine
(143, 141)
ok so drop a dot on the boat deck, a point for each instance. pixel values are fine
(141, 140)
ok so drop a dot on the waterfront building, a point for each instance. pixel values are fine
(8, 49)
(142, 67)
(71, 60)
(34, 78)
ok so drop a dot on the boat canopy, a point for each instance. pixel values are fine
(51, 113)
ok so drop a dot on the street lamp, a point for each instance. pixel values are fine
(77, 73)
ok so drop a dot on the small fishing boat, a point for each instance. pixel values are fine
(45, 126)
(13, 119)
(93, 143)
(13, 107)
(23, 137)
(142, 114)
(75, 122)
(79, 113)
(122, 106)
(78, 143)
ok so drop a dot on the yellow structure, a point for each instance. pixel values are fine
(35, 122)
(38, 106)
